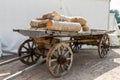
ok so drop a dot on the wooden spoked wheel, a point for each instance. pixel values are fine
(59, 59)
(28, 47)
(104, 46)
(75, 46)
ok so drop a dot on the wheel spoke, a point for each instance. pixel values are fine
(102, 44)
(55, 55)
(32, 58)
(106, 38)
(24, 52)
(59, 53)
(28, 45)
(106, 50)
(25, 47)
(68, 59)
(103, 52)
(58, 68)
(28, 58)
(53, 68)
(53, 60)
(37, 55)
(66, 53)
(66, 66)
(33, 44)
(63, 51)
(73, 47)
(62, 68)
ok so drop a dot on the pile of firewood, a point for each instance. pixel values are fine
(55, 21)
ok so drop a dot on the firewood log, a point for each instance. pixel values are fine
(63, 26)
(52, 16)
(38, 23)
(82, 21)
(85, 28)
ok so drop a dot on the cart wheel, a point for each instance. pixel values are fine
(59, 59)
(104, 46)
(28, 47)
(75, 46)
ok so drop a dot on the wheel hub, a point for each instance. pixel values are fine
(31, 51)
(105, 45)
(61, 60)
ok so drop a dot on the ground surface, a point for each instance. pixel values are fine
(86, 66)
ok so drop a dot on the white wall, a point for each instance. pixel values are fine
(95, 11)
(18, 13)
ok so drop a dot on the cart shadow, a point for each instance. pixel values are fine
(86, 66)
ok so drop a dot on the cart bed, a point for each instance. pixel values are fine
(48, 33)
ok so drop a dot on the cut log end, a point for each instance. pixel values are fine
(49, 24)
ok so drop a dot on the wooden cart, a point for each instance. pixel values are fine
(58, 52)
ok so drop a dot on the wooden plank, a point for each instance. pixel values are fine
(47, 33)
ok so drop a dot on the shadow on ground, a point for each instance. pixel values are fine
(86, 66)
